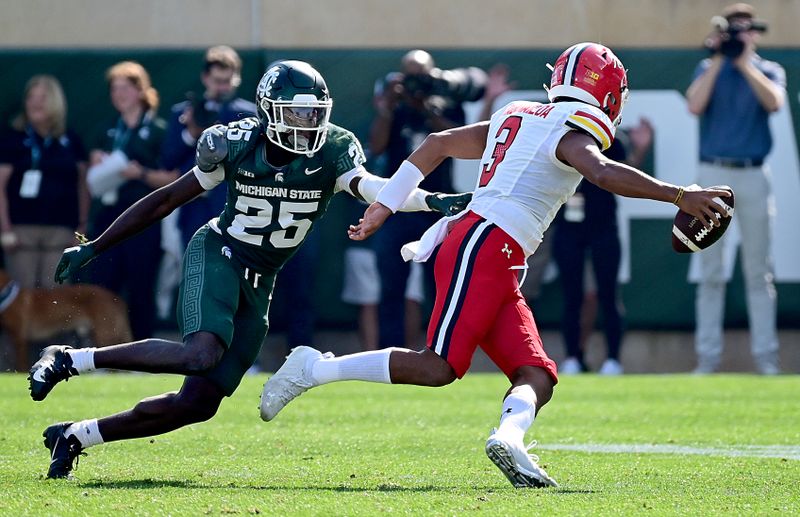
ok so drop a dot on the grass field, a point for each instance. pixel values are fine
(684, 445)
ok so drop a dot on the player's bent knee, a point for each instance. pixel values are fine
(194, 410)
(440, 373)
(423, 368)
(202, 352)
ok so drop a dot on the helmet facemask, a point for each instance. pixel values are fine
(299, 125)
(612, 100)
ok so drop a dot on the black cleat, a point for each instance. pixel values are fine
(54, 365)
(63, 450)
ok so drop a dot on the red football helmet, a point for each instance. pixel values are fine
(591, 73)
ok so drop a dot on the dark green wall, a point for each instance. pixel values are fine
(657, 297)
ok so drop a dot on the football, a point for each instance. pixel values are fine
(688, 233)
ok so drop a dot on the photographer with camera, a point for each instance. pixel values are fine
(218, 104)
(733, 92)
(410, 104)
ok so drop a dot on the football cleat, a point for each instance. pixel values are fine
(611, 367)
(63, 450)
(571, 366)
(54, 365)
(290, 381)
(513, 460)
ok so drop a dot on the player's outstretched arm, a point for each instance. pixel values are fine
(465, 142)
(366, 186)
(151, 208)
(581, 152)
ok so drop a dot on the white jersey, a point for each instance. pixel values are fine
(522, 184)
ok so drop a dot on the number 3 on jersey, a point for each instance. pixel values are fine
(503, 139)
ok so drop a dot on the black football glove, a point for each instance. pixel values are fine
(72, 260)
(212, 148)
(448, 204)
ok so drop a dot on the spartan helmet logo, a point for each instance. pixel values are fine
(265, 85)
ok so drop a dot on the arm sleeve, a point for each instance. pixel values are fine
(209, 180)
(369, 185)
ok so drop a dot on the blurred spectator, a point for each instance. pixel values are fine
(218, 104)
(410, 104)
(295, 286)
(125, 168)
(586, 228)
(361, 285)
(43, 194)
(734, 91)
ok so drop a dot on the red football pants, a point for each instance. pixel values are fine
(478, 301)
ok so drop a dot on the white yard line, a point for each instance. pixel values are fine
(789, 452)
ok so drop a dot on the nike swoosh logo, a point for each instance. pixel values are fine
(309, 172)
(37, 375)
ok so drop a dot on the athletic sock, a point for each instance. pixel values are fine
(86, 431)
(372, 366)
(519, 410)
(82, 359)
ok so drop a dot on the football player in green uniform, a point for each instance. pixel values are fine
(281, 169)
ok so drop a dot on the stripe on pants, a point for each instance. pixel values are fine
(458, 286)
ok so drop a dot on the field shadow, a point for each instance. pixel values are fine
(149, 484)
(143, 484)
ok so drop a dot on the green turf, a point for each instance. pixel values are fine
(362, 449)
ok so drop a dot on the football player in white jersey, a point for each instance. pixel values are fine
(532, 158)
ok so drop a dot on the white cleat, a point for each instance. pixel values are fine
(611, 367)
(570, 366)
(514, 461)
(290, 381)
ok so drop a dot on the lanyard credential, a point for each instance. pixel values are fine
(32, 178)
(121, 135)
(36, 149)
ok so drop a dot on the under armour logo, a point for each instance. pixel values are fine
(507, 250)
(279, 177)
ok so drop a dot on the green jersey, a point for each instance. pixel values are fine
(270, 210)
